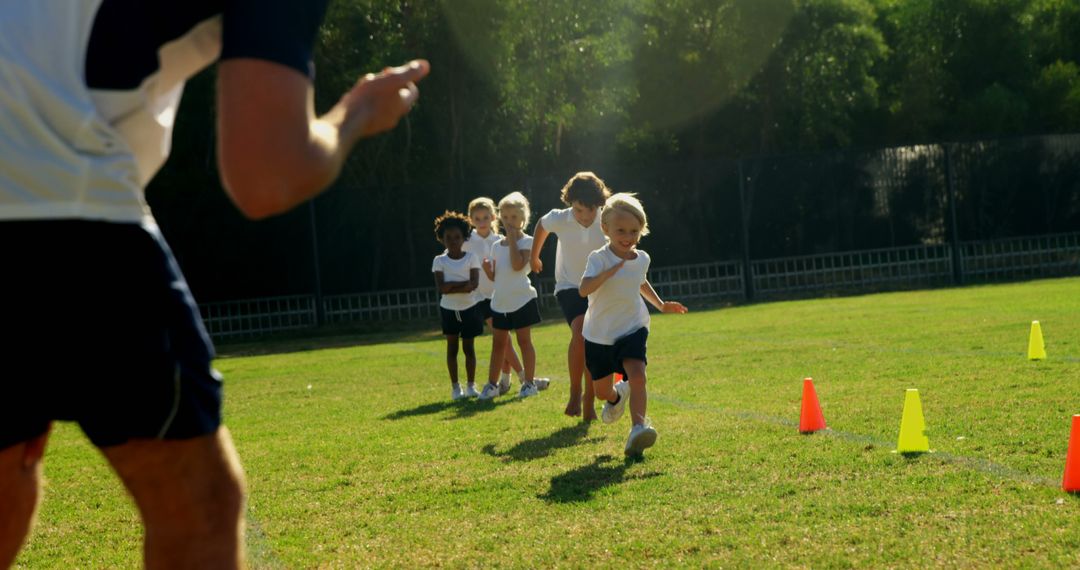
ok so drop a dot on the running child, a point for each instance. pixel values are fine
(617, 322)
(457, 275)
(579, 234)
(513, 303)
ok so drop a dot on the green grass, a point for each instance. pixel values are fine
(373, 466)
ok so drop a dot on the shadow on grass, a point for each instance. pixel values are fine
(463, 408)
(304, 341)
(579, 485)
(474, 407)
(426, 409)
(364, 333)
(530, 449)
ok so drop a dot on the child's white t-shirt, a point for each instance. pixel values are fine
(455, 270)
(616, 308)
(576, 242)
(481, 247)
(512, 288)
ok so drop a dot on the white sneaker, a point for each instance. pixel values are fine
(612, 412)
(489, 392)
(470, 391)
(504, 384)
(455, 392)
(541, 383)
(642, 437)
(528, 390)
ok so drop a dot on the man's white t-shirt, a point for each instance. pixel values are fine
(512, 288)
(455, 270)
(481, 247)
(616, 308)
(576, 242)
(89, 92)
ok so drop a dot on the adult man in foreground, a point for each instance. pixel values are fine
(105, 331)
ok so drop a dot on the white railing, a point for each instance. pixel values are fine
(1021, 258)
(720, 281)
(258, 316)
(899, 267)
(856, 271)
(401, 304)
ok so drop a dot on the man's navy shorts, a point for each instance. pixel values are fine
(101, 330)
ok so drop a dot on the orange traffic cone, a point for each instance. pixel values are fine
(811, 419)
(1071, 481)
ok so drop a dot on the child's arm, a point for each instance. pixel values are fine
(540, 235)
(489, 268)
(518, 257)
(650, 295)
(451, 286)
(474, 279)
(591, 284)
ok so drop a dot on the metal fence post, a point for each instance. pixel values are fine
(954, 227)
(320, 313)
(748, 277)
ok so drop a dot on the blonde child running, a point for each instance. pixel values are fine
(617, 322)
(486, 234)
(579, 234)
(513, 302)
(457, 275)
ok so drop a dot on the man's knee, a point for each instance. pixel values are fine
(198, 484)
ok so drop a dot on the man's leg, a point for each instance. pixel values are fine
(20, 489)
(190, 494)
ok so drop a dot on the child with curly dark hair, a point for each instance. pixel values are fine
(457, 275)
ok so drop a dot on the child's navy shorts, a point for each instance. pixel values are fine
(467, 323)
(485, 309)
(527, 316)
(101, 330)
(573, 305)
(603, 360)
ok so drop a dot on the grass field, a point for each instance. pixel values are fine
(355, 456)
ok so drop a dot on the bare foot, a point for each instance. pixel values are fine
(573, 408)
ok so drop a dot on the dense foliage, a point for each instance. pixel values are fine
(652, 94)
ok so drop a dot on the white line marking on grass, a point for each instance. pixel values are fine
(974, 463)
(828, 343)
(259, 552)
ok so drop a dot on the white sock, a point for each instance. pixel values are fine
(505, 376)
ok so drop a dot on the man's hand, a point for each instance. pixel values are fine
(274, 153)
(379, 100)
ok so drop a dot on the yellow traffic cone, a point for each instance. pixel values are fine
(913, 437)
(1036, 348)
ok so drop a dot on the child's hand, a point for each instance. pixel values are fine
(616, 268)
(537, 265)
(488, 264)
(673, 307)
